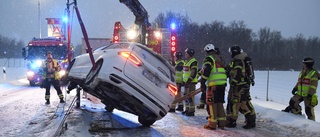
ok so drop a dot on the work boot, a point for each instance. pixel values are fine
(221, 127)
(172, 110)
(61, 100)
(251, 121)
(180, 108)
(184, 112)
(231, 123)
(208, 127)
(189, 113)
(47, 101)
(201, 106)
(287, 109)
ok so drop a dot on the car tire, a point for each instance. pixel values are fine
(146, 121)
(93, 72)
(109, 108)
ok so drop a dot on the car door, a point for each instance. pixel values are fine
(153, 74)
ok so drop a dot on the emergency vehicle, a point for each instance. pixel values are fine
(35, 51)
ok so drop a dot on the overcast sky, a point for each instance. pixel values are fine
(19, 18)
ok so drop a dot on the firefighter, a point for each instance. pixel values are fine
(50, 76)
(239, 93)
(250, 74)
(179, 62)
(203, 92)
(214, 74)
(305, 90)
(190, 80)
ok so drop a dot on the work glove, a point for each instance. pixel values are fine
(252, 82)
(294, 90)
(314, 100)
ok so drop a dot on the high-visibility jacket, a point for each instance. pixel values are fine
(55, 65)
(218, 74)
(238, 78)
(304, 83)
(187, 70)
(179, 73)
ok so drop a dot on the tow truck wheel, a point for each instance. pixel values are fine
(32, 83)
(146, 121)
(93, 72)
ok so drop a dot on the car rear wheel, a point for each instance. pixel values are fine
(94, 72)
(146, 121)
(109, 108)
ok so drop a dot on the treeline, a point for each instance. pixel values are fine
(268, 49)
(10, 47)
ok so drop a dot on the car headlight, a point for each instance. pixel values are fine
(62, 73)
(36, 64)
(30, 73)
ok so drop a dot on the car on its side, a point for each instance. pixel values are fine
(129, 77)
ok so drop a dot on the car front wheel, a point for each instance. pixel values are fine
(146, 121)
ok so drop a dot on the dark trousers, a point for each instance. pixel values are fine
(55, 84)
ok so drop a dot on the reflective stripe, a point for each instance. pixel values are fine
(187, 70)
(304, 83)
(179, 74)
(221, 118)
(218, 74)
(56, 73)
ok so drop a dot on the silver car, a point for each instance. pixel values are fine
(129, 77)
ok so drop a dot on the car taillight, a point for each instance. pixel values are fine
(131, 57)
(172, 88)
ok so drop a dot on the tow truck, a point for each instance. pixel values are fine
(35, 51)
(157, 39)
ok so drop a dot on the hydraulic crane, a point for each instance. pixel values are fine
(141, 17)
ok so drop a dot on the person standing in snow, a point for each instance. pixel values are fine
(305, 90)
(50, 76)
(239, 93)
(215, 78)
(190, 70)
(179, 62)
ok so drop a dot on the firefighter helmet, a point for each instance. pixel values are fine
(190, 52)
(178, 55)
(309, 62)
(210, 47)
(235, 50)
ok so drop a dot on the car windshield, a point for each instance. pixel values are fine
(114, 46)
(39, 52)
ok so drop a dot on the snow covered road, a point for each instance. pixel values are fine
(23, 113)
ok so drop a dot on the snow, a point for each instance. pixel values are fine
(23, 113)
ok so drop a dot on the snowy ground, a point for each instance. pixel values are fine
(23, 113)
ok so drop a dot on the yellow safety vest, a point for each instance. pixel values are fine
(218, 74)
(179, 74)
(187, 70)
(304, 83)
(55, 65)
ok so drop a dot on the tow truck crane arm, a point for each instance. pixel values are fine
(141, 16)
